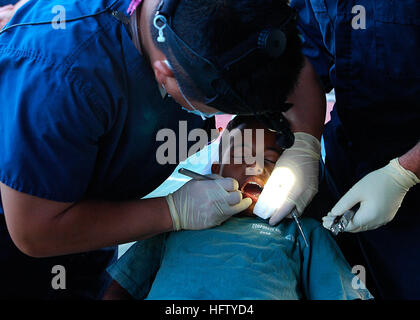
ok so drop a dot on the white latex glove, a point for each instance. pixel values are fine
(380, 194)
(206, 203)
(293, 182)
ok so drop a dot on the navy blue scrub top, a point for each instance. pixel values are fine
(80, 110)
(80, 107)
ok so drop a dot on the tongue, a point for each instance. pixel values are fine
(252, 190)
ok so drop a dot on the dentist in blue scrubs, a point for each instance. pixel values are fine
(368, 52)
(80, 110)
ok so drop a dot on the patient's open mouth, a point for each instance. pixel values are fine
(252, 189)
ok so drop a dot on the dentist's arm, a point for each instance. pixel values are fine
(42, 228)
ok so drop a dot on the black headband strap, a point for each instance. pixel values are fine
(208, 76)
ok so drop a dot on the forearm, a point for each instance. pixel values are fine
(411, 160)
(309, 104)
(116, 292)
(95, 224)
(43, 228)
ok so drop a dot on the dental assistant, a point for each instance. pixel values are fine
(369, 54)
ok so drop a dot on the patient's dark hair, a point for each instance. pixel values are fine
(211, 27)
(237, 123)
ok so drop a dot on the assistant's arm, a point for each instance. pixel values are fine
(380, 193)
(411, 160)
(309, 103)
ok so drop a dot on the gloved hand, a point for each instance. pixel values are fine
(294, 181)
(206, 203)
(380, 194)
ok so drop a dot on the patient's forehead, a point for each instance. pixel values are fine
(230, 145)
(269, 136)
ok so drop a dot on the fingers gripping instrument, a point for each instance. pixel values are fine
(198, 176)
(293, 182)
(380, 194)
(341, 222)
(205, 203)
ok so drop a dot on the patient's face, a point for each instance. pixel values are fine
(251, 185)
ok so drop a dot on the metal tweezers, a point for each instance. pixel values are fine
(341, 222)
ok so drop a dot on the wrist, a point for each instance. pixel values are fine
(308, 136)
(410, 178)
(308, 142)
(409, 165)
(167, 223)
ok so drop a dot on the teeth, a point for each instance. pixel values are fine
(252, 182)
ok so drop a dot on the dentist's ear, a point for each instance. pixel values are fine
(162, 71)
(166, 78)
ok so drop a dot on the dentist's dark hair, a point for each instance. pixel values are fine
(212, 27)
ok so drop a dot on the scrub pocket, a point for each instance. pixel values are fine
(397, 32)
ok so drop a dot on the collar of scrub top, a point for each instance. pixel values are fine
(37, 23)
(204, 79)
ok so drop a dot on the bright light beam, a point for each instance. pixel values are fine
(275, 192)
